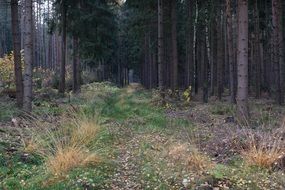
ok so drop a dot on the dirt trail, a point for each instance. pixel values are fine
(125, 177)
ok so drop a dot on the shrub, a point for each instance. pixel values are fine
(43, 77)
(7, 70)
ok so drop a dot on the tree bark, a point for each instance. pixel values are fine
(277, 49)
(17, 52)
(220, 56)
(242, 61)
(257, 51)
(230, 48)
(160, 46)
(76, 66)
(174, 77)
(28, 46)
(189, 68)
(63, 50)
(206, 62)
(195, 82)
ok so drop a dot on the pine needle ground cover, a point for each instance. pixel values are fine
(111, 138)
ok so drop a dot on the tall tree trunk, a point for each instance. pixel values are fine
(213, 68)
(206, 62)
(174, 77)
(63, 51)
(22, 22)
(242, 61)
(230, 48)
(281, 54)
(195, 82)
(220, 56)
(17, 52)
(277, 48)
(189, 68)
(257, 52)
(160, 46)
(28, 46)
(76, 66)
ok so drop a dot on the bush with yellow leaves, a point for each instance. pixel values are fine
(7, 70)
(187, 94)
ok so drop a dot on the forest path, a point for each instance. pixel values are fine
(148, 147)
(143, 152)
(127, 171)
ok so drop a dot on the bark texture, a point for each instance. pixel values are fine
(17, 52)
(28, 47)
(242, 61)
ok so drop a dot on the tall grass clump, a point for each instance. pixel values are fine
(66, 146)
(190, 157)
(265, 150)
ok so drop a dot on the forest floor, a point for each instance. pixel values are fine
(141, 144)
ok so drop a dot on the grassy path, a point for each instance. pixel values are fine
(141, 147)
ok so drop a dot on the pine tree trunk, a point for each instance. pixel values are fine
(230, 48)
(160, 46)
(17, 52)
(281, 54)
(277, 48)
(195, 82)
(22, 23)
(242, 61)
(76, 66)
(220, 56)
(257, 55)
(63, 49)
(206, 62)
(28, 46)
(189, 67)
(213, 57)
(174, 70)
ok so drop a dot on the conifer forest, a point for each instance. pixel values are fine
(142, 95)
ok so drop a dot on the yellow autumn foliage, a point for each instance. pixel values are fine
(187, 94)
(7, 70)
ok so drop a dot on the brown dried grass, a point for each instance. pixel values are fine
(67, 146)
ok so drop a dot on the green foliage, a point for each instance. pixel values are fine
(92, 23)
(42, 78)
(8, 110)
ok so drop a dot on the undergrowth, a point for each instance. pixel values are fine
(81, 151)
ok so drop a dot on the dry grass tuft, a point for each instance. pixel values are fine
(85, 132)
(68, 158)
(198, 161)
(264, 149)
(178, 151)
(67, 146)
(190, 157)
(262, 157)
